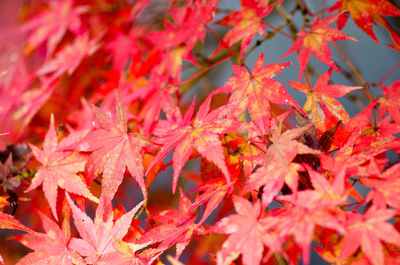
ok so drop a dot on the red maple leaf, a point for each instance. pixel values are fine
(315, 41)
(391, 101)
(278, 167)
(157, 100)
(50, 247)
(255, 91)
(59, 169)
(324, 93)
(213, 192)
(385, 188)
(51, 25)
(124, 47)
(365, 13)
(9, 222)
(246, 23)
(70, 56)
(177, 227)
(368, 231)
(175, 43)
(97, 237)
(188, 26)
(113, 150)
(308, 209)
(248, 233)
(32, 100)
(202, 133)
(127, 254)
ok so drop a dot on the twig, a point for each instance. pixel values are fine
(354, 70)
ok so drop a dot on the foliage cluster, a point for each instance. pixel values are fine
(97, 112)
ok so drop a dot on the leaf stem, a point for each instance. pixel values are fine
(388, 73)
(204, 70)
(220, 40)
(280, 31)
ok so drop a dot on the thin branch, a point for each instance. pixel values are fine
(354, 70)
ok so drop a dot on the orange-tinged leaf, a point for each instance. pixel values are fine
(324, 93)
(9, 222)
(126, 254)
(365, 13)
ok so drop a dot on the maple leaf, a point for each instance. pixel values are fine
(50, 247)
(6, 179)
(159, 99)
(126, 254)
(189, 26)
(175, 43)
(391, 101)
(356, 126)
(334, 192)
(70, 56)
(202, 133)
(123, 47)
(194, 19)
(113, 150)
(246, 23)
(278, 167)
(58, 169)
(396, 39)
(9, 222)
(308, 210)
(177, 227)
(247, 233)
(97, 236)
(367, 231)
(315, 41)
(322, 93)
(33, 100)
(383, 130)
(358, 153)
(213, 192)
(84, 118)
(385, 188)
(255, 91)
(51, 25)
(365, 13)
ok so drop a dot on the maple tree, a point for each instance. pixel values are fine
(108, 108)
